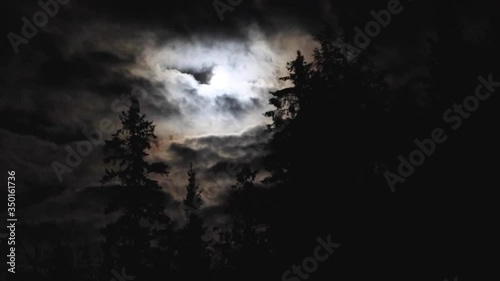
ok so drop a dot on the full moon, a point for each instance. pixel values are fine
(220, 79)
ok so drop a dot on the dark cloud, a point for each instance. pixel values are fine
(236, 147)
(203, 76)
(236, 107)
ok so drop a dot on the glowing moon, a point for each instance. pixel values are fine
(220, 78)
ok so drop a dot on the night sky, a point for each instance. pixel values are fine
(203, 79)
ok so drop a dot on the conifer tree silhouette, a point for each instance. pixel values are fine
(193, 259)
(143, 223)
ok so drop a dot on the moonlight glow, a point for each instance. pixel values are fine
(237, 93)
(221, 79)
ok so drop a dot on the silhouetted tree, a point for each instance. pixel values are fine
(56, 257)
(128, 149)
(245, 240)
(193, 258)
(193, 194)
(133, 240)
(315, 173)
